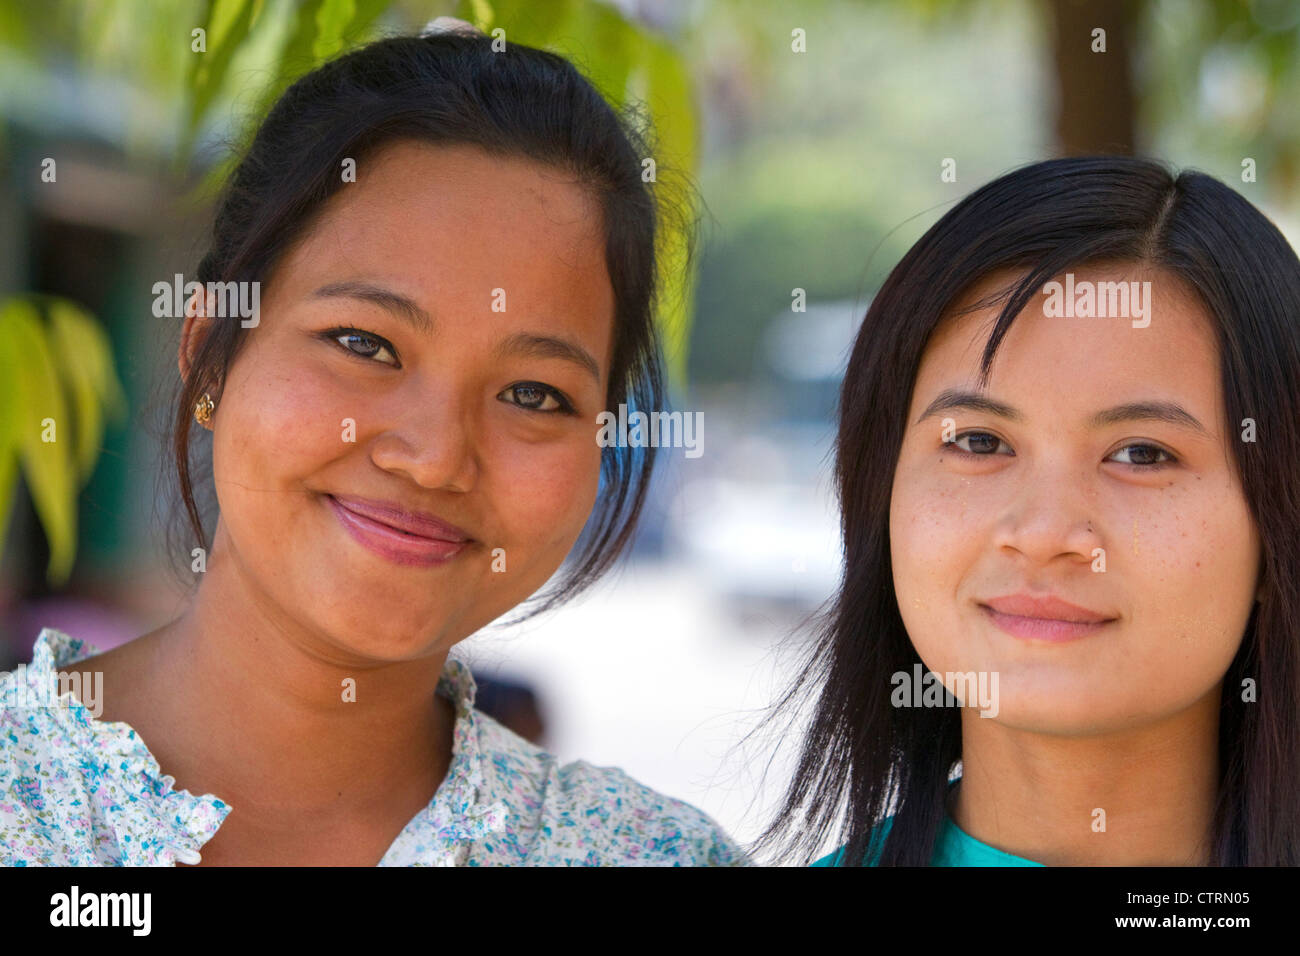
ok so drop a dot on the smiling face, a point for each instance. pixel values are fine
(439, 341)
(1021, 501)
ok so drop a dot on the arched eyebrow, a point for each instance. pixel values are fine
(1171, 413)
(399, 305)
(528, 344)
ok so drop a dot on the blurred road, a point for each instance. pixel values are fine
(654, 673)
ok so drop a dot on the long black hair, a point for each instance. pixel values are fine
(449, 89)
(863, 759)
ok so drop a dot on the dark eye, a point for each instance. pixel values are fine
(536, 397)
(1146, 456)
(363, 344)
(981, 443)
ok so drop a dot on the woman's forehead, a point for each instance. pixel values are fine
(463, 232)
(1078, 357)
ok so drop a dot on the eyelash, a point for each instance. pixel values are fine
(566, 406)
(334, 334)
(1148, 466)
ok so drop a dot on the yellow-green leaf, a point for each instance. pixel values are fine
(226, 26)
(49, 467)
(480, 13)
(332, 18)
(295, 56)
(315, 35)
(604, 46)
(85, 355)
(668, 94)
(8, 429)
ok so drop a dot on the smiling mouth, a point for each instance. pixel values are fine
(1051, 630)
(400, 546)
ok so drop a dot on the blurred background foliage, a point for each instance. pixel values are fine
(1235, 59)
(819, 167)
(57, 386)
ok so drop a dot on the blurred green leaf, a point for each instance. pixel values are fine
(603, 45)
(41, 365)
(296, 57)
(226, 24)
(668, 94)
(85, 354)
(482, 13)
(14, 33)
(49, 467)
(332, 18)
(8, 429)
(320, 30)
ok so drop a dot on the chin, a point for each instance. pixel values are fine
(379, 640)
(1051, 713)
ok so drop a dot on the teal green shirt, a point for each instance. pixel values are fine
(954, 847)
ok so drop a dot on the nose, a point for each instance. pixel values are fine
(1052, 515)
(429, 438)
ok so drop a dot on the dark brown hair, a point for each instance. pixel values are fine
(863, 761)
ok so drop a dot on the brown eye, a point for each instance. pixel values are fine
(1142, 455)
(980, 443)
(363, 344)
(536, 397)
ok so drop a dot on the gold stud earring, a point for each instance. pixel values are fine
(203, 409)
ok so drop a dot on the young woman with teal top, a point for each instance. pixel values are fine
(952, 847)
(1069, 471)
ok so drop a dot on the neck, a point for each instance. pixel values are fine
(275, 717)
(1047, 798)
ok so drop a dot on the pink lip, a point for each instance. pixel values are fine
(1043, 618)
(403, 537)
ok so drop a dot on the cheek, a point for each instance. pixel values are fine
(1190, 564)
(934, 521)
(272, 417)
(931, 537)
(543, 492)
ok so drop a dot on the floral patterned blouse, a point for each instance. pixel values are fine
(77, 791)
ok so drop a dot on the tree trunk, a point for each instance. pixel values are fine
(1095, 98)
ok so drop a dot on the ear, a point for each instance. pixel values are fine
(194, 330)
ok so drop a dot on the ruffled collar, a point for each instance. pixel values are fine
(176, 822)
(465, 808)
(180, 823)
